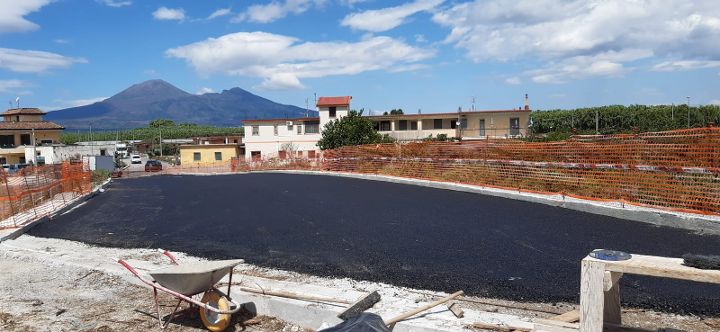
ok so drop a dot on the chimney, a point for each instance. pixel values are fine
(527, 103)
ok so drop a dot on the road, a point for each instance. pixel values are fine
(400, 234)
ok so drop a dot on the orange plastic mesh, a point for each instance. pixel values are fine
(675, 170)
(38, 191)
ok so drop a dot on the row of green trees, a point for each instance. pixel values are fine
(623, 119)
(167, 128)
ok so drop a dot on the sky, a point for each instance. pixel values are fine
(423, 55)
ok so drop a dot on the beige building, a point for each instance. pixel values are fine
(208, 153)
(283, 138)
(25, 127)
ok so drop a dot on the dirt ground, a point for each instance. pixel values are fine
(38, 297)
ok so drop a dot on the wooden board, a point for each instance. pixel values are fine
(660, 267)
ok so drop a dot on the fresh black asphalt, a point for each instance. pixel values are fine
(400, 234)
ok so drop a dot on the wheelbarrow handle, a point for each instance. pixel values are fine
(168, 255)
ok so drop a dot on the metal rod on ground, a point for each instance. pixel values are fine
(295, 296)
(423, 308)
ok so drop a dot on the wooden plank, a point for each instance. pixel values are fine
(611, 307)
(423, 308)
(660, 267)
(568, 317)
(591, 295)
(364, 303)
(456, 310)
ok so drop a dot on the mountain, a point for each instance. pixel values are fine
(157, 99)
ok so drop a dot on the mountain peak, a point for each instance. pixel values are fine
(157, 99)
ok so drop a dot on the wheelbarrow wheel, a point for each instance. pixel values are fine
(214, 321)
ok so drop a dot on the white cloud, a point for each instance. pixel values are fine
(562, 34)
(513, 80)
(351, 3)
(164, 13)
(220, 13)
(116, 3)
(27, 61)
(281, 61)
(384, 19)
(11, 85)
(686, 65)
(583, 66)
(61, 41)
(204, 90)
(13, 12)
(275, 10)
(714, 102)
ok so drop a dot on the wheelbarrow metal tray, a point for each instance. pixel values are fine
(193, 278)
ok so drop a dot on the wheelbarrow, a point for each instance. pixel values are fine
(188, 280)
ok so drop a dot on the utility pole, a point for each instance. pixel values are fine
(473, 103)
(597, 122)
(34, 147)
(161, 154)
(688, 107)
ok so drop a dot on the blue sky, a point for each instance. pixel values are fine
(432, 55)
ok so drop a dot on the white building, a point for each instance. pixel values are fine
(283, 138)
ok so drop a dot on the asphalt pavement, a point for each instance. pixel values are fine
(400, 234)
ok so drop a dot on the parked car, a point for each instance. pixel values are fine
(135, 159)
(153, 166)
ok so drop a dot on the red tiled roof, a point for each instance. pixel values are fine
(29, 111)
(28, 125)
(280, 120)
(334, 101)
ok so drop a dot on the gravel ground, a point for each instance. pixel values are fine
(41, 297)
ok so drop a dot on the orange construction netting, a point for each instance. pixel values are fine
(677, 170)
(38, 191)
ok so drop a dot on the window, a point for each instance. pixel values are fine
(255, 155)
(218, 155)
(333, 111)
(384, 125)
(196, 156)
(312, 127)
(514, 126)
(256, 130)
(103, 152)
(299, 154)
(453, 123)
(299, 129)
(282, 154)
(289, 127)
(275, 130)
(3, 160)
(24, 139)
(17, 118)
(7, 141)
(482, 127)
(402, 125)
(463, 123)
(437, 124)
(311, 154)
(413, 125)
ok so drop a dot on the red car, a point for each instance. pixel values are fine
(153, 166)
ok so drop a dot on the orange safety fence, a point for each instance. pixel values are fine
(34, 192)
(676, 170)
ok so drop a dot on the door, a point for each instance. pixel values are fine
(255, 155)
(481, 128)
(514, 126)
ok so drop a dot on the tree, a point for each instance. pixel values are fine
(161, 123)
(398, 111)
(354, 129)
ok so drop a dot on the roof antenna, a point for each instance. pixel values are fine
(17, 100)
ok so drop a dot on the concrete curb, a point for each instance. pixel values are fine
(14, 234)
(697, 223)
